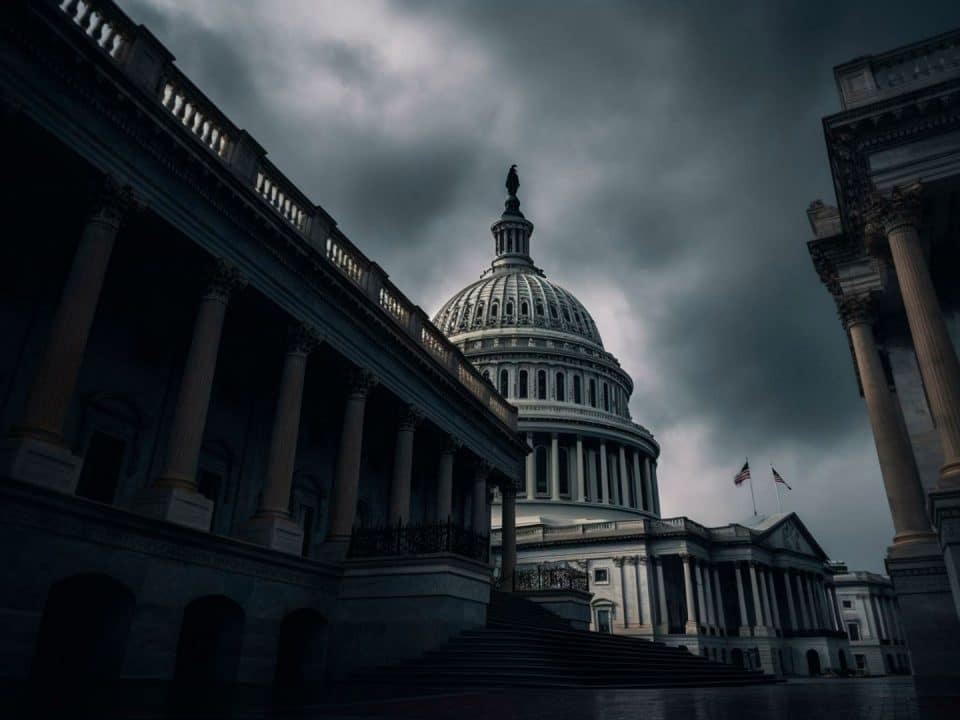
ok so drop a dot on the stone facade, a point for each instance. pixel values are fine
(885, 254)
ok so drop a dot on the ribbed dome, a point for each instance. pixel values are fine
(516, 297)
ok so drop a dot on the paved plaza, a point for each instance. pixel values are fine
(873, 699)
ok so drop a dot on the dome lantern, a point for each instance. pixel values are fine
(511, 233)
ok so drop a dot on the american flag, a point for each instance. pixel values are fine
(778, 479)
(743, 475)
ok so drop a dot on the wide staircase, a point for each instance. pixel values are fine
(524, 645)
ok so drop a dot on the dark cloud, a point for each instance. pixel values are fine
(667, 152)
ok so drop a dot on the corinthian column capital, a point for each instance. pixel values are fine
(855, 310)
(225, 280)
(410, 417)
(112, 202)
(888, 213)
(302, 339)
(360, 381)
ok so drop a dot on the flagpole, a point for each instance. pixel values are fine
(752, 496)
(776, 486)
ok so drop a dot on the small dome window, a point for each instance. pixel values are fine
(566, 315)
(524, 308)
(540, 309)
(509, 308)
(494, 310)
(553, 312)
(478, 316)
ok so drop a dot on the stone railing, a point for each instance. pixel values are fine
(418, 540)
(149, 65)
(585, 413)
(550, 577)
(641, 526)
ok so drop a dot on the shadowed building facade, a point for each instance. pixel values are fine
(232, 449)
(888, 253)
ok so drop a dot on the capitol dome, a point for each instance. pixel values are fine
(537, 344)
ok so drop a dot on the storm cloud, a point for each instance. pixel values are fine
(667, 153)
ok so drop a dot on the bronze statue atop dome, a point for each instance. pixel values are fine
(513, 180)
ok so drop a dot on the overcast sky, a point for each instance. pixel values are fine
(667, 153)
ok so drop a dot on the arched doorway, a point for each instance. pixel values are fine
(843, 662)
(813, 663)
(736, 657)
(301, 651)
(83, 631)
(211, 640)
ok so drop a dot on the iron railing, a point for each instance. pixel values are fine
(550, 577)
(420, 539)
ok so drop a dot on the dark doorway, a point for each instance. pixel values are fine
(843, 662)
(211, 640)
(209, 485)
(101, 467)
(736, 657)
(301, 651)
(83, 632)
(813, 663)
(891, 665)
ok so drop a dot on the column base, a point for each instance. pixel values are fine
(744, 631)
(333, 549)
(945, 514)
(276, 533)
(691, 628)
(176, 505)
(661, 629)
(39, 462)
(928, 611)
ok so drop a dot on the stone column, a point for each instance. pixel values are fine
(814, 616)
(272, 525)
(690, 626)
(531, 469)
(604, 487)
(554, 467)
(765, 597)
(791, 611)
(871, 620)
(836, 607)
(625, 483)
(618, 562)
(445, 479)
(702, 616)
(648, 485)
(897, 220)
(584, 495)
(801, 597)
(897, 466)
(708, 593)
(774, 606)
(742, 601)
(718, 590)
(881, 620)
(829, 618)
(481, 508)
(34, 452)
(654, 488)
(664, 620)
(399, 514)
(508, 524)
(759, 620)
(346, 478)
(173, 495)
(648, 572)
(639, 481)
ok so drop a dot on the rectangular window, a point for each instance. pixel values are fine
(577, 390)
(847, 604)
(853, 631)
(861, 662)
(523, 384)
(601, 576)
(603, 621)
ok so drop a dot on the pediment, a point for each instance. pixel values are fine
(792, 535)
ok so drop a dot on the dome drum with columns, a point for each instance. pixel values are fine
(539, 346)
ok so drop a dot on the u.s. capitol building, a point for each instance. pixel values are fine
(760, 594)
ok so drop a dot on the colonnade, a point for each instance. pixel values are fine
(174, 495)
(596, 471)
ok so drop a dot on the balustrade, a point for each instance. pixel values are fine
(281, 198)
(111, 34)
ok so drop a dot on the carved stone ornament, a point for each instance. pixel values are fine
(303, 339)
(854, 310)
(410, 417)
(225, 280)
(451, 445)
(360, 381)
(887, 214)
(112, 202)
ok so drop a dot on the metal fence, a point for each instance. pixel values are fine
(419, 540)
(550, 577)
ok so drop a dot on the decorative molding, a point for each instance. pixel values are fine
(302, 339)
(360, 381)
(225, 280)
(410, 418)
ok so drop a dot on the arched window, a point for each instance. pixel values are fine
(542, 384)
(486, 376)
(540, 459)
(566, 315)
(606, 397)
(504, 383)
(631, 485)
(577, 390)
(553, 312)
(523, 384)
(478, 316)
(563, 472)
(524, 308)
(494, 310)
(561, 387)
(540, 309)
(593, 392)
(509, 308)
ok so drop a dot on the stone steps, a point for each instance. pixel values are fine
(524, 645)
